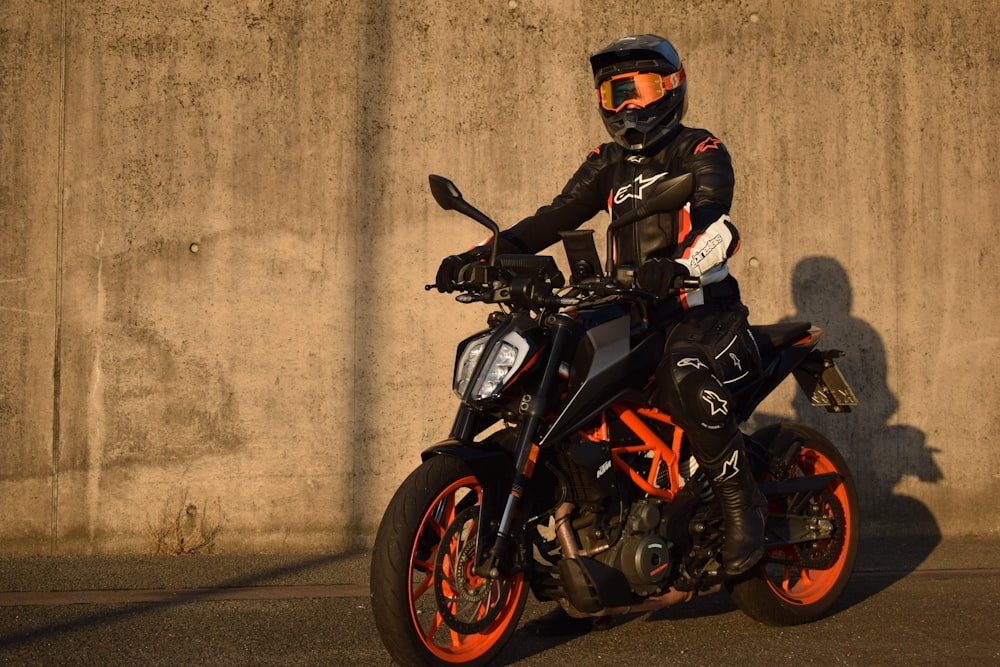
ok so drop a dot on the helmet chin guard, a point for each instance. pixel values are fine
(642, 121)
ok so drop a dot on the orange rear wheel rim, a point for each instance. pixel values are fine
(790, 580)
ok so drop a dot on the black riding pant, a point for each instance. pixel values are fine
(708, 354)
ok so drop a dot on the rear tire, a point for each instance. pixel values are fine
(798, 583)
(430, 608)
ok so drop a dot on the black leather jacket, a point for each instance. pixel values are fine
(701, 236)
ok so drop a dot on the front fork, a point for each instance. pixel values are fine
(533, 408)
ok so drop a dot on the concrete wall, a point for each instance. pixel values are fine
(216, 233)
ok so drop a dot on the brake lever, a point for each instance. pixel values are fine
(455, 287)
(638, 294)
(468, 297)
(558, 301)
(611, 289)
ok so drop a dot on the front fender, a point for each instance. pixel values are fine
(494, 469)
(487, 460)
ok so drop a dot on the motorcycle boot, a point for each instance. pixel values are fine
(700, 403)
(744, 507)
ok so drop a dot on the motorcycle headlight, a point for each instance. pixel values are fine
(485, 367)
(467, 363)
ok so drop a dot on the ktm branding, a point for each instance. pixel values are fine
(635, 189)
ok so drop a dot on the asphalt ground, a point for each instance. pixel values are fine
(910, 602)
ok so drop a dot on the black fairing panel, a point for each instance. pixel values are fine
(613, 360)
(777, 365)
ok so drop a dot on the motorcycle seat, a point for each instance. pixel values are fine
(777, 336)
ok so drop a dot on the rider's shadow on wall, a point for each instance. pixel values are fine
(879, 452)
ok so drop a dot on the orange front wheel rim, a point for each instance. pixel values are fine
(445, 593)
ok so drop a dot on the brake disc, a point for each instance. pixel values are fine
(467, 602)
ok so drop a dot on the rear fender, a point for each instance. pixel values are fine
(776, 446)
(775, 370)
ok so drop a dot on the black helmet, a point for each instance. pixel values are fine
(641, 90)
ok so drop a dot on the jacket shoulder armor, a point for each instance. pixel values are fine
(695, 141)
(608, 152)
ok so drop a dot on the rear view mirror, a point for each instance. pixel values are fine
(448, 197)
(445, 193)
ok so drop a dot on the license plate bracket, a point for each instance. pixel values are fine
(824, 383)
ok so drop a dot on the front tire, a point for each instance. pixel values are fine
(798, 583)
(430, 607)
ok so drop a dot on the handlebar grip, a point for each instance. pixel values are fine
(691, 283)
(562, 301)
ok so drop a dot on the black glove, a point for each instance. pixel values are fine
(451, 268)
(662, 276)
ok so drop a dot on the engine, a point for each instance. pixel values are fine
(634, 547)
(613, 524)
(641, 553)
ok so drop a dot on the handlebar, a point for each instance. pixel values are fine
(471, 292)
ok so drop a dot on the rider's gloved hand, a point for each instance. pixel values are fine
(662, 276)
(451, 268)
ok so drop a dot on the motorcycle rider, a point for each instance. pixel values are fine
(641, 89)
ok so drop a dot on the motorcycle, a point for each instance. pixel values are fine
(560, 479)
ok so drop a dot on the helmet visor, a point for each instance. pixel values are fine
(639, 89)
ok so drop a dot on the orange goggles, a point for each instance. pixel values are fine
(639, 89)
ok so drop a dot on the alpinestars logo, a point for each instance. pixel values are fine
(707, 145)
(704, 251)
(717, 404)
(635, 189)
(693, 362)
(730, 469)
(736, 361)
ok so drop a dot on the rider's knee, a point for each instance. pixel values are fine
(692, 394)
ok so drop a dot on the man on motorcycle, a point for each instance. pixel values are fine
(641, 90)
